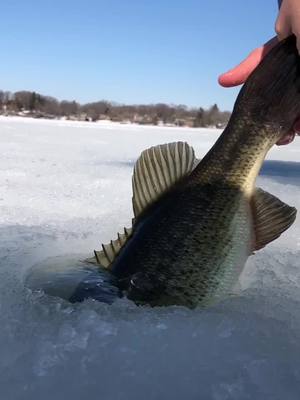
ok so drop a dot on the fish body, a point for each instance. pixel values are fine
(196, 222)
(190, 239)
(190, 249)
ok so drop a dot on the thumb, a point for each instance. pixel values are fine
(240, 73)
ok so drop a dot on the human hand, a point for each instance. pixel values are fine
(240, 73)
(287, 23)
(288, 20)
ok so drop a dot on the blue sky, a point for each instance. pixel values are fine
(130, 51)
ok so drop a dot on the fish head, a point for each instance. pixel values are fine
(153, 290)
(143, 290)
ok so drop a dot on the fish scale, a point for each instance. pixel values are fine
(196, 222)
(208, 216)
(190, 244)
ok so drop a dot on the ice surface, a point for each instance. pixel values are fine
(64, 188)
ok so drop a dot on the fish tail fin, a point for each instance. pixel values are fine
(271, 94)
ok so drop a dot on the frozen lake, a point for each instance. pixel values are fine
(65, 187)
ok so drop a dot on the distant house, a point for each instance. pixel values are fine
(221, 125)
(188, 121)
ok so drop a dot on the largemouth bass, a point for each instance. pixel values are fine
(196, 222)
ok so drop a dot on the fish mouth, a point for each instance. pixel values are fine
(287, 138)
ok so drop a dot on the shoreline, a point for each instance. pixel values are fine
(100, 123)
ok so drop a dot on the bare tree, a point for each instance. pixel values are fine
(180, 115)
(69, 108)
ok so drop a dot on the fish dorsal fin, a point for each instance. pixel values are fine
(157, 170)
(109, 252)
(271, 218)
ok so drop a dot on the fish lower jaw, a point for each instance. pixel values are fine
(286, 139)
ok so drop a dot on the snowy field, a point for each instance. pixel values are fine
(65, 188)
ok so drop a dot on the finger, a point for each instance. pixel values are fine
(240, 73)
(298, 41)
(283, 25)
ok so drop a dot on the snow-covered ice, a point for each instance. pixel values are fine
(65, 187)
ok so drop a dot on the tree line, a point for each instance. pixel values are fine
(38, 105)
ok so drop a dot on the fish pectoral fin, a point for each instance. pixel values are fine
(109, 252)
(271, 218)
(157, 170)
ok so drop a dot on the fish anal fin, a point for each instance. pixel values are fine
(157, 170)
(271, 218)
(110, 251)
